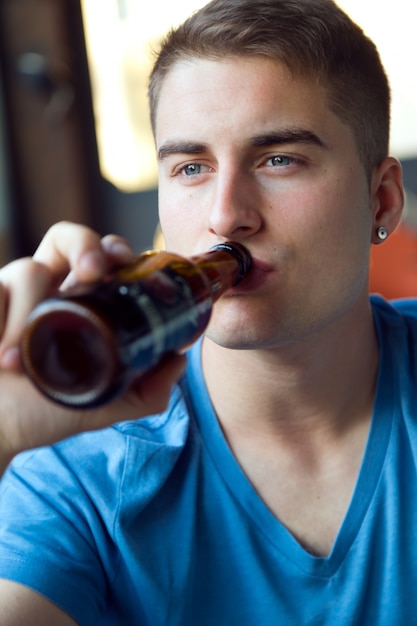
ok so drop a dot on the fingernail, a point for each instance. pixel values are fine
(121, 250)
(93, 262)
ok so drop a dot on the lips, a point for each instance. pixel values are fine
(257, 276)
(262, 266)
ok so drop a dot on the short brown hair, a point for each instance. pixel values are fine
(313, 37)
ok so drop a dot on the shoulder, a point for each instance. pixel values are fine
(396, 327)
(395, 313)
(98, 460)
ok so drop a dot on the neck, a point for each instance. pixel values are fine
(297, 420)
(325, 385)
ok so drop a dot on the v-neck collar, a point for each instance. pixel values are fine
(257, 511)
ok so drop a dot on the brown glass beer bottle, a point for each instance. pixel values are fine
(84, 346)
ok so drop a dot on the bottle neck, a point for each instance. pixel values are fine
(225, 265)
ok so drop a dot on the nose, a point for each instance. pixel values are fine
(235, 210)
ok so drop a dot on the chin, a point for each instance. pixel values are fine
(243, 323)
(236, 337)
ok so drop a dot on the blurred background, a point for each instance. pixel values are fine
(75, 139)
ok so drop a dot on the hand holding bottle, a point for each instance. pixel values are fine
(68, 254)
(84, 347)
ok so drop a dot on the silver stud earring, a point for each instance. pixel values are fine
(382, 233)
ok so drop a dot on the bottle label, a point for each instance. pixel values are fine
(174, 311)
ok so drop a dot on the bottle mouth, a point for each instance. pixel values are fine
(71, 357)
(240, 253)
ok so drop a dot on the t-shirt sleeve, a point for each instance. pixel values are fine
(49, 534)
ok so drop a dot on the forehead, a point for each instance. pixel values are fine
(237, 91)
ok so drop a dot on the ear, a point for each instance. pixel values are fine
(387, 196)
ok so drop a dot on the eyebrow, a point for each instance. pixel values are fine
(273, 138)
(187, 147)
(288, 135)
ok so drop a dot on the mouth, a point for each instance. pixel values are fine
(258, 275)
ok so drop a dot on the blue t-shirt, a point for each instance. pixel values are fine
(152, 522)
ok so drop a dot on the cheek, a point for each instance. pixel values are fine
(333, 228)
(178, 228)
(170, 218)
(338, 208)
(181, 217)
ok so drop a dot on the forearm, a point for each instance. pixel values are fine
(20, 606)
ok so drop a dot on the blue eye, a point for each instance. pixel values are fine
(192, 169)
(277, 161)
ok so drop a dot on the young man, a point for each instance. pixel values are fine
(278, 487)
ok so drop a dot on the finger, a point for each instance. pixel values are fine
(118, 250)
(68, 246)
(24, 283)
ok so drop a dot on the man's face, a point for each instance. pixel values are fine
(248, 152)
